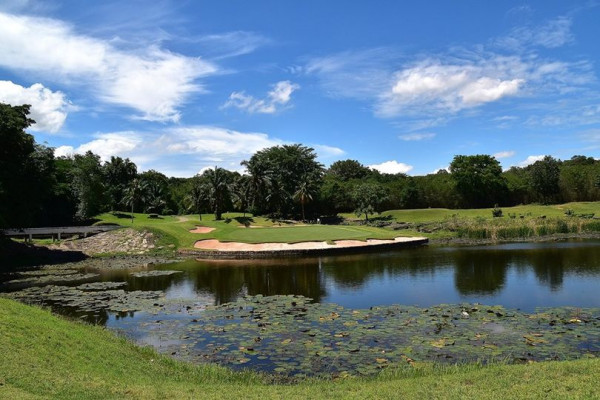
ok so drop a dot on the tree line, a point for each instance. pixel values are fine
(284, 182)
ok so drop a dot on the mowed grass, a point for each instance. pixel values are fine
(531, 210)
(50, 357)
(177, 229)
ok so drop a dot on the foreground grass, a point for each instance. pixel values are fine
(49, 357)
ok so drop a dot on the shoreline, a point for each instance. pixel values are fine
(37, 255)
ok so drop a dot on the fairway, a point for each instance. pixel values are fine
(301, 233)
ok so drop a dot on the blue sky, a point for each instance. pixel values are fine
(179, 86)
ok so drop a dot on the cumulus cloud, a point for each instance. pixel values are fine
(504, 154)
(392, 167)
(48, 109)
(151, 80)
(427, 90)
(530, 160)
(279, 96)
(105, 145)
(412, 137)
(213, 142)
(447, 87)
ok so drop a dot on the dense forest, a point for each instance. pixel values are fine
(39, 189)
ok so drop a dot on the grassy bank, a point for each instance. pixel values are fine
(519, 222)
(49, 357)
(176, 229)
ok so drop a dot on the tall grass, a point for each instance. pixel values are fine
(506, 228)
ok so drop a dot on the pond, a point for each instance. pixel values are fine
(349, 314)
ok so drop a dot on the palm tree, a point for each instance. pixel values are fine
(241, 192)
(196, 198)
(154, 198)
(260, 183)
(134, 193)
(217, 189)
(304, 193)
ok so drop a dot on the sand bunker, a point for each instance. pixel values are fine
(213, 244)
(202, 229)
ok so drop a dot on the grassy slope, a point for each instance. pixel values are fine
(439, 214)
(49, 357)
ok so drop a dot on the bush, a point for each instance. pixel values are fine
(496, 212)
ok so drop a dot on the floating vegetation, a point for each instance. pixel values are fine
(154, 273)
(50, 277)
(291, 336)
(101, 285)
(90, 298)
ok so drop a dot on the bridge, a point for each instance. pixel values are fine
(56, 233)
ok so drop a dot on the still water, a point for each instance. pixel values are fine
(524, 276)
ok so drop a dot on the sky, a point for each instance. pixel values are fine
(180, 86)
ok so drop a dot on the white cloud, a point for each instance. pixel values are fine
(552, 34)
(279, 96)
(105, 145)
(48, 109)
(392, 167)
(410, 137)
(504, 154)
(328, 151)
(530, 160)
(212, 141)
(64, 151)
(433, 88)
(231, 44)
(152, 80)
(449, 88)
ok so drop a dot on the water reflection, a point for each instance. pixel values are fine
(492, 274)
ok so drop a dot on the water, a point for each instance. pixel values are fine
(522, 275)
(319, 337)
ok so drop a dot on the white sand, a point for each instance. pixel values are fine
(213, 244)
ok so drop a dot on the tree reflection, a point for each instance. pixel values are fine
(480, 273)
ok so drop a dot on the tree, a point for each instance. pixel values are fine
(88, 185)
(217, 189)
(282, 167)
(134, 194)
(16, 148)
(118, 174)
(368, 198)
(241, 191)
(196, 199)
(346, 170)
(305, 192)
(479, 180)
(155, 198)
(544, 177)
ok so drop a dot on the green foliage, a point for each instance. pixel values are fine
(496, 212)
(118, 174)
(478, 179)
(544, 178)
(277, 173)
(368, 198)
(346, 170)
